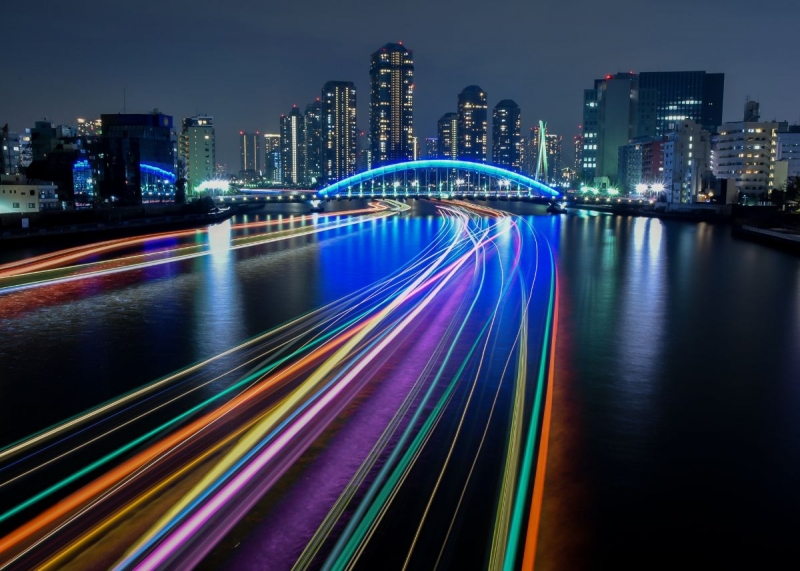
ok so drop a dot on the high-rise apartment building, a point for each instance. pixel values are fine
(472, 124)
(293, 148)
(197, 150)
(272, 158)
(249, 155)
(507, 148)
(312, 125)
(339, 130)
(391, 105)
(447, 140)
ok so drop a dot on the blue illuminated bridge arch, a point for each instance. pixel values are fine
(439, 178)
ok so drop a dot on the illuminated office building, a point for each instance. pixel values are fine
(391, 105)
(138, 157)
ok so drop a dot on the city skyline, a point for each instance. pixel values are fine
(546, 83)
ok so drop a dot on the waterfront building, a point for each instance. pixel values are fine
(197, 150)
(687, 163)
(339, 130)
(391, 105)
(273, 171)
(641, 162)
(313, 133)
(138, 157)
(507, 149)
(627, 106)
(293, 147)
(745, 154)
(447, 140)
(472, 124)
(789, 150)
(19, 195)
(249, 155)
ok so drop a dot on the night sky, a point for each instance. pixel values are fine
(247, 61)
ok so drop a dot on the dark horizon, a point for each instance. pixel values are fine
(247, 66)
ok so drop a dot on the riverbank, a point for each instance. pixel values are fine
(104, 224)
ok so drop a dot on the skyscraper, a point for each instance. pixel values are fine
(293, 152)
(197, 150)
(448, 136)
(312, 125)
(249, 155)
(472, 124)
(506, 138)
(391, 124)
(339, 131)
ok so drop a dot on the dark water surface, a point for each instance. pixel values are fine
(676, 419)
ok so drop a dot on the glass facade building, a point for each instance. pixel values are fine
(138, 157)
(684, 96)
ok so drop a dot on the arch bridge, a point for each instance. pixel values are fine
(441, 178)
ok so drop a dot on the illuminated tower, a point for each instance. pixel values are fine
(391, 125)
(472, 124)
(339, 131)
(506, 138)
(293, 152)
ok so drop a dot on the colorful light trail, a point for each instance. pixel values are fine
(433, 384)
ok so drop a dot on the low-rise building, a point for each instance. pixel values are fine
(18, 195)
(687, 157)
(745, 153)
